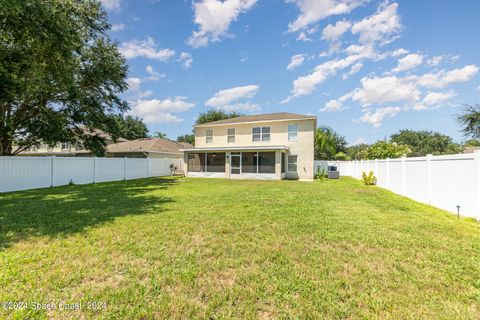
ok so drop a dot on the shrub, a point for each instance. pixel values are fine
(321, 174)
(370, 179)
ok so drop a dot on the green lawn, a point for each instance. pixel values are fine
(198, 248)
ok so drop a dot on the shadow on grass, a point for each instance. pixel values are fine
(60, 211)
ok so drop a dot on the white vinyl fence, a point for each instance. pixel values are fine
(441, 181)
(22, 173)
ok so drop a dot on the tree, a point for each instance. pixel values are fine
(424, 142)
(384, 149)
(472, 143)
(131, 128)
(341, 156)
(328, 143)
(215, 115)
(470, 120)
(356, 152)
(59, 74)
(188, 138)
(160, 135)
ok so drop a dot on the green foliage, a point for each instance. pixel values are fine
(321, 174)
(357, 152)
(158, 134)
(341, 156)
(188, 138)
(369, 179)
(472, 143)
(383, 150)
(59, 74)
(131, 128)
(215, 115)
(469, 119)
(328, 143)
(424, 142)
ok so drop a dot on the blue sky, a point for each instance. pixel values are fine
(364, 68)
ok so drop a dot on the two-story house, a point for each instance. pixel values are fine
(266, 146)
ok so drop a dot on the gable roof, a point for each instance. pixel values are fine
(280, 116)
(148, 145)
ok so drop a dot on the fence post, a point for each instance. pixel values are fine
(148, 166)
(387, 174)
(429, 178)
(124, 168)
(404, 175)
(476, 155)
(52, 172)
(376, 168)
(94, 168)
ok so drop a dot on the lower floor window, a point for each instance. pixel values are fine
(206, 162)
(292, 163)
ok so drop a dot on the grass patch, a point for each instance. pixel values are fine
(205, 248)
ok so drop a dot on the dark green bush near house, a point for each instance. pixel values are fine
(321, 174)
(369, 179)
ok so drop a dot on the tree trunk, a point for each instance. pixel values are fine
(5, 147)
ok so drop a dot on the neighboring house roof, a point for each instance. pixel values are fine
(470, 149)
(153, 145)
(281, 116)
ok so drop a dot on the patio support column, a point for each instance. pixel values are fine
(278, 165)
(227, 165)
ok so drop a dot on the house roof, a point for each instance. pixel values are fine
(154, 145)
(470, 149)
(280, 116)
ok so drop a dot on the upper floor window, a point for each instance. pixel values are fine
(65, 145)
(231, 135)
(209, 136)
(292, 132)
(260, 134)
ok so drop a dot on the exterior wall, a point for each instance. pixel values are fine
(57, 150)
(165, 156)
(303, 147)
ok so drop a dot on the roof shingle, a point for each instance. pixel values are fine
(148, 145)
(259, 117)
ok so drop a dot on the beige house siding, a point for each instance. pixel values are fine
(303, 147)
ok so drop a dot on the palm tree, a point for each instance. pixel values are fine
(160, 135)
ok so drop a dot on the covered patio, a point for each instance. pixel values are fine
(236, 162)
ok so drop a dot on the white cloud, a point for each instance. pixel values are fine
(408, 62)
(306, 84)
(399, 52)
(478, 88)
(111, 4)
(134, 83)
(231, 99)
(147, 48)
(353, 70)
(186, 60)
(334, 32)
(434, 98)
(118, 27)
(214, 18)
(444, 78)
(160, 111)
(358, 141)
(312, 11)
(332, 105)
(376, 117)
(296, 61)
(154, 75)
(383, 26)
(435, 61)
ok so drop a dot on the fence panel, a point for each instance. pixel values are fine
(442, 181)
(109, 169)
(76, 170)
(23, 173)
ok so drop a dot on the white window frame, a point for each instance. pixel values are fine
(261, 134)
(231, 137)
(289, 163)
(292, 132)
(208, 137)
(67, 144)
